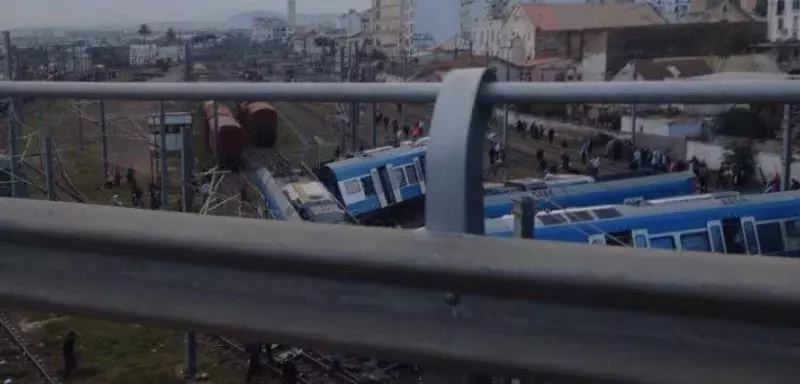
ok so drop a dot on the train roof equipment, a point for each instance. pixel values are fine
(315, 203)
(720, 222)
(597, 193)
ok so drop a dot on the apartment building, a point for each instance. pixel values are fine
(783, 20)
(388, 23)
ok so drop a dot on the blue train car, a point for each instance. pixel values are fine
(271, 190)
(314, 203)
(370, 183)
(767, 224)
(532, 184)
(597, 193)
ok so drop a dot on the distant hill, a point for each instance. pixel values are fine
(245, 19)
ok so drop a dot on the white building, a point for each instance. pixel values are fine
(351, 22)
(486, 39)
(783, 18)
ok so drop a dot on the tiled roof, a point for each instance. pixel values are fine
(567, 17)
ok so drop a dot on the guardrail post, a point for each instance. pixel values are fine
(48, 168)
(524, 217)
(454, 202)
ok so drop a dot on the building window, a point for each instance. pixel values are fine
(779, 7)
(780, 26)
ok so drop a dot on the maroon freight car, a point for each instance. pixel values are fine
(260, 121)
(228, 141)
(208, 110)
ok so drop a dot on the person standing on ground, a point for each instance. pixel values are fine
(70, 363)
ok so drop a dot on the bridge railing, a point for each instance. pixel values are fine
(441, 298)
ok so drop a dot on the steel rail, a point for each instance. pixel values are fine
(701, 92)
(487, 304)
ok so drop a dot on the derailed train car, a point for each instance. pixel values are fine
(260, 121)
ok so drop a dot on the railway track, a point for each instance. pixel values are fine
(15, 353)
(310, 368)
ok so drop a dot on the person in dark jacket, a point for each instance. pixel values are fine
(70, 362)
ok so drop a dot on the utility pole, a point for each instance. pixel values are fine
(80, 124)
(633, 106)
(374, 113)
(505, 106)
(354, 106)
(187, 62)
(104, 138)
(48, 168)
(217, 154)
(786, 175)
(343, 139)
(162, 128)
(187, 170)
(13, 120)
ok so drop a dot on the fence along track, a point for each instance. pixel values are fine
(19, 341)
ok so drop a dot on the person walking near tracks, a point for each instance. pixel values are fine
(70, 363)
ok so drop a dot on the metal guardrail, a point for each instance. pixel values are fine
(561, 311)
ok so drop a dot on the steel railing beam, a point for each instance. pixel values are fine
(492, 304)
(700, 92)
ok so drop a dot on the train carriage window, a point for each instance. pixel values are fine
(664, 242)
(750, 235)
(579, 216)
(695, 242)
(717, 239)
(606, 213)
(400, 177)
(368, 185)
(770, 237)
(352, 187)
(553, 219)
(411, 173)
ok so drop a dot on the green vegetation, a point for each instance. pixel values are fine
(743, 122)
(124, 353)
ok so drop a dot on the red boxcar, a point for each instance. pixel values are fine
(230, 139)
(260, 121)
(208, 110)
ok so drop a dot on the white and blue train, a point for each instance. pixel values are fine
(597, 193)
(371, 183)
(767, 224)
(531, 184)
(297, 201)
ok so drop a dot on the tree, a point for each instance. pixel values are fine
(144, 31)
(742, 122)
(171, 36)
(497, 9)
(740, 157)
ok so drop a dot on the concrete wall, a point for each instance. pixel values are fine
(661, 127)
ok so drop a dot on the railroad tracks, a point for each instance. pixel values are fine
(11, 341)
(311, 369)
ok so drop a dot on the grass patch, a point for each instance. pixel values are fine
(116, 353)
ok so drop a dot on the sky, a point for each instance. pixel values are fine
(76, 13)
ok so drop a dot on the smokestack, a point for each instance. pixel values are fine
(291, 12)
